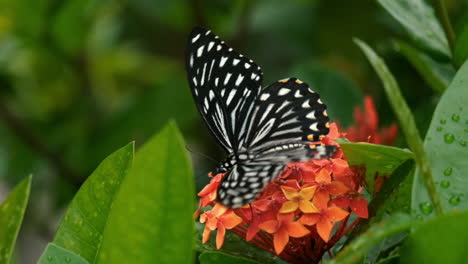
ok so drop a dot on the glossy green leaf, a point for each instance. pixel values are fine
(328, 84)
(437, 75)
(11, 216)
(151, 219)
(376, 159)
(446, 144)
(87, 216)
(355, 252)
(420, 21)
(460, 53)
(394, 195)
(439, 241)
(406, 120)
(54, 254)
(219, 257)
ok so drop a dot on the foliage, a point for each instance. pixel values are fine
(79, 79)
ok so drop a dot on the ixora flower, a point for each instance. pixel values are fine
(295, 215)
(367, 124)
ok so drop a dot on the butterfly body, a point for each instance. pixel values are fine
(261, 129)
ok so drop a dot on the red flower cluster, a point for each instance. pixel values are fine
(295, 214)
(366, 128)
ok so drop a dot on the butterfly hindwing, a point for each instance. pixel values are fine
(287, 111)
(224, 85)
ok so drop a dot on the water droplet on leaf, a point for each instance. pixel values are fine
(439, 128)
(67, 260)
(445, 184)
(426, 208)
(454, 200)
(456, 117)
(448, 171)
(449, 138)
(462, 143)
(443, 121)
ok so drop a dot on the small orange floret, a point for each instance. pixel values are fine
(298, 199)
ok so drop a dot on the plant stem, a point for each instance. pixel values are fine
(406, 120)
(443, 16)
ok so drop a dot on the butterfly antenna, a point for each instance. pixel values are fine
(201, 154)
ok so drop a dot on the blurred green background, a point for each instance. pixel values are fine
(81, 78)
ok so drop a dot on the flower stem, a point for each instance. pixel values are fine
(443, 16)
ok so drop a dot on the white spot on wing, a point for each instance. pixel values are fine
(311, 115)
(211, 94)
(194, 81)
(231, 95)
(226, 79)
(203, 75)
(253, 76)
(283, 91)
(216, 81)
(191, 60)
(210, 46)
(264, 96)
(195, 38)
(218, 48)
(313, 127)
(200, 51)
(306, 104)
(247, 65)
(235, 62)
(222, 61)
(239, 79)
(298, 94)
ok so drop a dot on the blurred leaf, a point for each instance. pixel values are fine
(437, 75)
(54, 254)
(439, 241)
(389, 197)
(72, 24)
(419, 20)
(461, 47)
(11, 216)
(88, 214)
(355, 252)
(219, 257)
(339, 93)
(446, 146)
(379, 160)
(151, 219)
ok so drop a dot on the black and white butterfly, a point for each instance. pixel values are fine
(262, 129)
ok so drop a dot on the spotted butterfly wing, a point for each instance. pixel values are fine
(224, 85)
(261, 129)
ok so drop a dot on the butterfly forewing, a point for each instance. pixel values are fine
(224, 85)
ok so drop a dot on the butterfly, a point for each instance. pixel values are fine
(261, 129)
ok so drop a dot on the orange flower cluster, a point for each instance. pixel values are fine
(366, 127)
(295, 215)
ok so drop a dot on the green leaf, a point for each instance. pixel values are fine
(376, 159)
(393, 196)
(419, 20)
(219, 257)
(54, 254)
(460, 53)
(84, 222)
(11, 216)
(355, 252)
(151, 219)
(437, 75)
(447, 149)
(439, 241)
(328, 84)
(406, 120)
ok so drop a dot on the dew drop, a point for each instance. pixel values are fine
(443, 121)
(449, 138)
(454, 199)
(50, 258)
(439, 128)
(426, 208)
(456, 117)
(67, 260)
(462, 143)
(419, 217)
(448, 171)
(445, 184)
